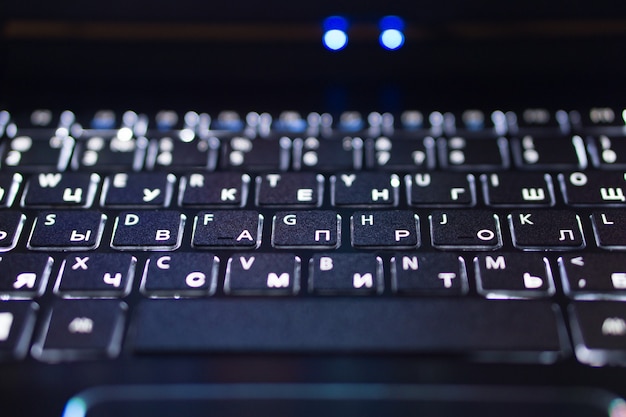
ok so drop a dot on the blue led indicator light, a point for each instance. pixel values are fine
(335, 33)
(391, 35)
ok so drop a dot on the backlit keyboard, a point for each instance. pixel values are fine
(494, 235)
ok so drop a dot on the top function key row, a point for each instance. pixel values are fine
(315, 124)
(117, 153)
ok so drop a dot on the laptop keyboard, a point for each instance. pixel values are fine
(490, 235)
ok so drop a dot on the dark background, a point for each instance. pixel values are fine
(267, 55)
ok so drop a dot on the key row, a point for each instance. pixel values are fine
(186, 274)
(470, 120)
(245, 229)
(81, 329)
(299, 189)
(281, 153)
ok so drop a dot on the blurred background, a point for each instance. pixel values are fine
(267, 55)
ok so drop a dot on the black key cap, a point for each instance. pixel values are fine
(186, 152)
(599, 332)
(79, 329)
(290, 189)
(594, 275)
(180, 275)
(609, 228)
(70, 189)
(465, 230)
(315, 229)
(438, 189)
(543, 153)
(67, 230)
(17, 319)
(428, 273)
(9, 187)
(38, 154)
(257, 155)
(534, 120)
(608, 152)
(96, 275)
(385, 229)
(219, 189)
(148, 230)
(551, 230)
(110, 153)
(513, 275)
(240, 229)
(263, 274)
(365, 189)
(24, 275)
(359, 274)
(600, 118)
(11, 223)
(313, 154)
(527, 330)
(509, 189)
(594, 188)
(473, 154)
(402, 154)
(138, 189)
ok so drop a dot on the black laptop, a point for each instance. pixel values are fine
(327, 208)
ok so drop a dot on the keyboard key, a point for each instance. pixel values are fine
(465, 230)
(365, 189)
(9, 187)
(608, 152)
(321, 155)
(24, 275)
(290, 189)
(510, 189)
(594, 188)
(70, 189)
(17, 319)
(221, 229)
(138, 189)
(544, 153)
(117, 153)
(609, 229)
(67, 230)
(599, 332)
(314, 229)
(437, 189)
(183, 151)
(219, 189)
(547, 230)
(96, 275)
(513, 275)
(175, 275)
(463, 154)
(593, 275)
(80, 329)
(428, 273)
(401, 154)
(257, 155)
(11, 223)
(601, 117)
(263, 274)
(38, 154)
(534, 120)
(148, 230)
(513, 329)
(334, 273)
(385, 229)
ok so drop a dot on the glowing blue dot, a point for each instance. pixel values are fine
(335, 39)
(391, 39)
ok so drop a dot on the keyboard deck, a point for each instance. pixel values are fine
(491, 235)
